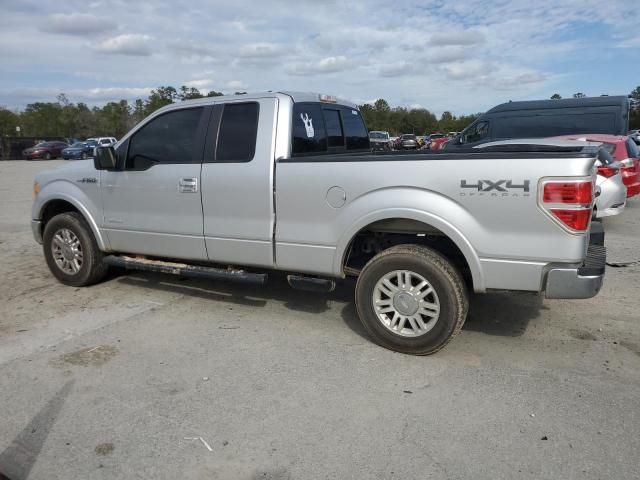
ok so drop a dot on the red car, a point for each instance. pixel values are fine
(46, 150)
(623, 149)
(436, 141)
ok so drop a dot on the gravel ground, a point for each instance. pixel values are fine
(120, 380)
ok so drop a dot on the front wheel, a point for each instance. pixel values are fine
(47, 156)
(411, 299)
(72, 252)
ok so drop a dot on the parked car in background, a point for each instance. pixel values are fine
(106, 141)
(408, 141)
(45, 150)
(379, 141)
(613, 193)
(437, 140)
(624, 150)
(547, 118)
(79, 150)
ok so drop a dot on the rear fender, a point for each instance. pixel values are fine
(433, 209)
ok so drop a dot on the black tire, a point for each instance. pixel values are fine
(445, 280)
(84, 155)
(47, 156)
(93, 269)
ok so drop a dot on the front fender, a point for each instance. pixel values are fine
(69, 192)
(412, 204)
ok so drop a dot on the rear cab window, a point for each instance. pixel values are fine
(238, 132)
(319, 128)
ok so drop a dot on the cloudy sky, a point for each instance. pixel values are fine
(464, 56)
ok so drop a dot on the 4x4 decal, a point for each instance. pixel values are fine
(495, 187)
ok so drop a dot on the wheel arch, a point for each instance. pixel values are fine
(64, 203)
(411, 221)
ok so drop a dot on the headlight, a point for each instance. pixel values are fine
(36, 189)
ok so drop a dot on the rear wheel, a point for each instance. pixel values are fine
(411, 299)
(47, 156)
(71, 251)
(84, 155)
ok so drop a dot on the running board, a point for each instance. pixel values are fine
(196, 271)
(312, 284)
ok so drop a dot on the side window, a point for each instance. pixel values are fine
(354, 130)
(335, 137)
(169, 138)
(478, 132)
(308, 133)
(238, 132)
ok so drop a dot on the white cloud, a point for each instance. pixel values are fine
(468, 37)
(324, 65)
(77, 24)
(236, 85)
(260, 50)
(200, 83)
(127, 44)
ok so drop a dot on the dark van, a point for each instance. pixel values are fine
(546, 118)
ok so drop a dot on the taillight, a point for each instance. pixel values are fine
(568, 202)
(574, 219)
(607, 172)
(568, 192)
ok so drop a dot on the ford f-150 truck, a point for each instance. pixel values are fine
(234, 187)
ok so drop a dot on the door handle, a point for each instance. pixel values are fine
(188, 185)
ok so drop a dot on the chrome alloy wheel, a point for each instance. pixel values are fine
(67, 251)
(406, 303)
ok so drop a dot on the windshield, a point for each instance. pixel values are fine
(78, 145)
(409, 137)
(105, 141)
(379, 136)
(41, 144)
(436, 135)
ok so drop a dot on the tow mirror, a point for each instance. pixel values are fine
(105, 158)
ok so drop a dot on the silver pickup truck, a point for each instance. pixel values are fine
(233, 187)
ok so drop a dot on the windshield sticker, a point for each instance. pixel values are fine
(308, 125)
(354, 112)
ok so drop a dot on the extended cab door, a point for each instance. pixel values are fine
(237, 182)
(153, 204)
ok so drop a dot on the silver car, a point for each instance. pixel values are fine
(408, 142)
(613, 193)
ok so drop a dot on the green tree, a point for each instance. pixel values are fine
(160, 97)
(42, 119)
(556, 96)
(8, 122)
(579, 95)
(189, 93)
(213, 93)
(113, 119)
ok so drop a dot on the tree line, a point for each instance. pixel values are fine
(65, 119)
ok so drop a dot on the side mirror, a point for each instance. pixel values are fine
(105, 158)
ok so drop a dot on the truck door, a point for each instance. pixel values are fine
(237, 180)
(153, 205)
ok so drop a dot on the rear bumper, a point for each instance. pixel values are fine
(583, 281)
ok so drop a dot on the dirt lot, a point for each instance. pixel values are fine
(121, 380)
